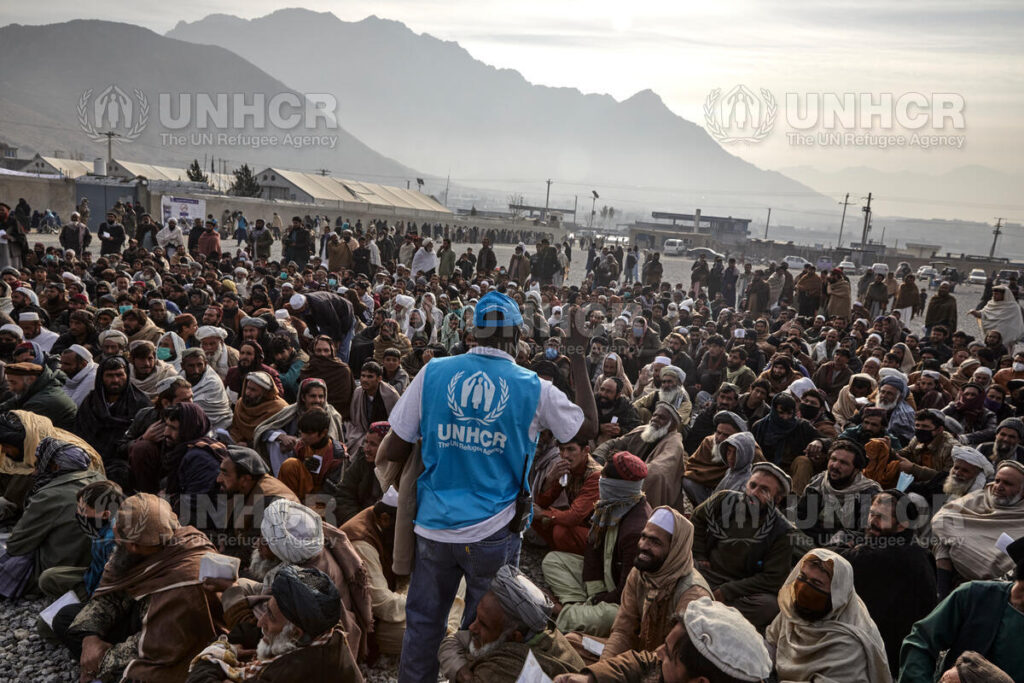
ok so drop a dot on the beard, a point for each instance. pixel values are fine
(253, 402)
(645, 565)
(1007, 501)
(121, 561)
(885, 405)
(194, 379)
(1003, 448)
(260, 567)
(716, 454)
(955, 489)
(478, 652)
(279, 644)
(669, 395)
(653, 435)
(840, 483)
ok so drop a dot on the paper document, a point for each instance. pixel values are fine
(50, 611)
(1004, 540)
(215, 566)
(532, 673)
(904, 481)
(594, 647)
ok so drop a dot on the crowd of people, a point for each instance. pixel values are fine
(749, 477)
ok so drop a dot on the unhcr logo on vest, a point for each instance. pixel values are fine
(477, 399)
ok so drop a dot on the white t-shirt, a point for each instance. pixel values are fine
(554, 411)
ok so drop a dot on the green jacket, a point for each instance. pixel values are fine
(46, 397)
(446, 264)
(48, 528)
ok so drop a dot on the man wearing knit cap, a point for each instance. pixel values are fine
(709, 641)
(589, 587)
(663, 581)
(985, 617)
(1007, 444)
(742, 543)
(512, 621)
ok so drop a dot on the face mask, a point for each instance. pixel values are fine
(550, 353)
(808, 412)
(811, 602)
(90, 526)
(163, 353)
(993, 404)
(924, 435)
(284, 276)
(124, 309)
(1018, 367)
(638, 331)
(332, 282)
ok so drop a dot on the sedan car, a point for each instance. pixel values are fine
(977, 277)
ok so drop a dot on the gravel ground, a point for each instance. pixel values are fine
(26, 656)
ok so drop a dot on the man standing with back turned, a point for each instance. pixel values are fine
(478, 441)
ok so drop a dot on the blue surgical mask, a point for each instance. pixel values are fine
(124, 309)
(284, 276)
(638, 331)
(551, 353)
(163, 353)
(332, 282)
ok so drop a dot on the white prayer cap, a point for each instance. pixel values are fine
(117, 335)
(984, 370)
(972, 456)
(282, 314)
(664, 360)
(293, 532)
(13, 329)
(891, 372)
(405, 301)
(727, 640)
(260, 378)
(390, 497)
(664, 519)
(297, 301)
(80, 351)
(207, 331)
(28, 316)
(800, 387)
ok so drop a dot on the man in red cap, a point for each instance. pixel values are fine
(588, 597)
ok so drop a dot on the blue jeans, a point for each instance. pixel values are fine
(436, 573)
(346, 344)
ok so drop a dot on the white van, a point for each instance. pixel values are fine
(674, 248)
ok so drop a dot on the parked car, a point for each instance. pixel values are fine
(1004, 276)
(709, 254)
(848, 267)
(880, 268)
(928, 275)
(795, 263)
(674, 248)
(978, 276)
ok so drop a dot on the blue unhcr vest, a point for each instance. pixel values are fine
(475, 421)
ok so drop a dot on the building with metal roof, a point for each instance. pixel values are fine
(356, 195)
(69, 168)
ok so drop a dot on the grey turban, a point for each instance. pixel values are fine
(520, 597)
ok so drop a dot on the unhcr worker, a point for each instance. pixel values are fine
(464, 499)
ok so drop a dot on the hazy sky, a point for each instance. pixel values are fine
(682, 50)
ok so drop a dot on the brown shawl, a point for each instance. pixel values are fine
(181, 619)
(363, 527)
(338, 378)
(248, 418)
(340, 561)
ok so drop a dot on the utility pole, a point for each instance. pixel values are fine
(407, 184)
(547, 199)
(867, 222)
(446, 184)
(845, 203)
(995, 237)
(110, 147)
(766, 222)
(883, 236)
(324, 172)
(575, 204)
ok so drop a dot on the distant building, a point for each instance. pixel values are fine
(69, 168)
(921, 250)
(695, 230)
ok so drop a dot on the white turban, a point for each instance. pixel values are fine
(405, 301)
(261, 379)
(972, 456)
(297, 301)
(80, 351)
(116, 335)
(800, 387)
(293, 532)
(30, 294)
(207, 331)
(13, 329)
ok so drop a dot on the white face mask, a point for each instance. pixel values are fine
(1018, 367)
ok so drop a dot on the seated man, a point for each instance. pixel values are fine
(1007, 444)
(706, 467)
(891, 568)
(37, 389)
(301, 638)
(318, 462)
(930, 452)
(670, 391)
(970, 472)
(967, 529)
(46, 536)
(664, 564)
(152, 579)
(191, 463)
(969, 410)
(575, 474)
(143, 443)
(984, 616)
(372, 402)
(708, 642)
(394, 373)
(259, 402)
(589, 588)
(512, 621)
(360, 488)
(824, 631)
(246, 479)
(207, 388)
(76, 362)
(742, 543)
(837, 500)
(148, 371)
(219, 355)
(726, 399)
(615, 412)
(277, 437)
(660, 445)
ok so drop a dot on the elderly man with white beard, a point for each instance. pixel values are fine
(670, 391)
(219, 355)
(968, 528)
(301, 637)
(970, 472)
(660, 445)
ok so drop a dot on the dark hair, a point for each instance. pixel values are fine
(169, 393)
(578, 440)
(391, 353)
(372, 366)
(618, 383)
(860, 460)
(739, 351)
(761, 384)
(279, 344)
(930, 416)
(843, 352)
(142, 350)
(102, 495)
(314, 421)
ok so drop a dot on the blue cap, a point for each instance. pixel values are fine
(496, 301)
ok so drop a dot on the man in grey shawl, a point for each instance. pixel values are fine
(738, 452)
